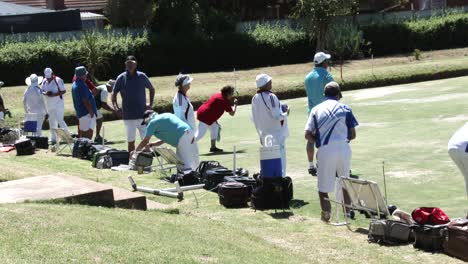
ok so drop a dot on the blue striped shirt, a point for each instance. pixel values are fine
(331, 121)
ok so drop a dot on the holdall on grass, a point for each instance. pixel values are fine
(456, 239)
(233, 194)
(214, 177)
(24, 147)
(429, 238)
(429, 216)
(207, 165)
(118, 157)
(250, 182)
(39, 142)
(187, 178)
(144, 159)
(272, 193)
(389, 232)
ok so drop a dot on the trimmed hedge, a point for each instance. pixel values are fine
(441, 32)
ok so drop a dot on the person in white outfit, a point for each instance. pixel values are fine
(270, 117)
(181, 104)
(54, 89)
(458, 151)
(331, 126)
(33, 101)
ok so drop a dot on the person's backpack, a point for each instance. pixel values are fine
(272, 193)
(233, 194)
(389, 232)
(429, 216)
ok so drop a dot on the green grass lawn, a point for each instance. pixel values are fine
(405, 126)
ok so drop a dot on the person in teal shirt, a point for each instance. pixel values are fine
(315, 83)
(170, 129)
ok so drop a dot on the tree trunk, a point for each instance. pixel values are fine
(321, 32)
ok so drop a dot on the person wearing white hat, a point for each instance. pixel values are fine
(101, 94)
(331, 126)
(458, 151)
(315, 83)
(181, 104)
(269, 116)
(53, 89)
(33, 101)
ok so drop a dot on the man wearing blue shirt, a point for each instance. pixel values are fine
(331, 126)
(83, 101)
(132, 85)
(315, 83)
(170, 129)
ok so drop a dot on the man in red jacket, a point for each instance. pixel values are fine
(209, 113)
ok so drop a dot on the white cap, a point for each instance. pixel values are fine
(262, 80)
(48, 73)
(321, 57)
(188, 80)
(33, 79)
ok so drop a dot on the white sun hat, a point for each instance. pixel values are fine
(34, 79)
(262, 80)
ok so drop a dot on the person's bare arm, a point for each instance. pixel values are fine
(352, 133)
(309, 136)
(107, 107)
(87, 105)
(152, 93)
(233, 112)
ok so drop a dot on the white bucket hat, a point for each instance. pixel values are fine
(34, 79)
(262, 79)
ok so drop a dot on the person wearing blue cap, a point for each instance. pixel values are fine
(85, 106)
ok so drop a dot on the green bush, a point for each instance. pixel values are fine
(438, 32)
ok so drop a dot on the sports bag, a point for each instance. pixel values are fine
(389, 232)
(39, 142)
(429, 216)
(24, 147)
(251, 183)
(118, 157)
(83, 149)
(214, 177)
(272, 193)
(185, 179)
(207, 165)
(456, 239)
(429, 238)
(233, 194)
(144, 159)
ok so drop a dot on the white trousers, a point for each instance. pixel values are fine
(187, 151)
(460, 158)
(202, 128)
(332, 159)
(40, 121)
(56, 120)
(2, 116)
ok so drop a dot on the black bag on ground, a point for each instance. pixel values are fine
(207, 165)
(83, 149)
(273, 193)
(144, 159)
(429, 238)
(39, 142)
(389, 232)
(185, 179)
(251, 183)
(24, 147)
(233, 194)
(214, 177)
(118, 157)
(456, 239)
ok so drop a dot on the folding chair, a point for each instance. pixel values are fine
(167, 159)
(365, 196)
(63, 136)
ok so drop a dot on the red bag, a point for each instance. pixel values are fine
(429, 216)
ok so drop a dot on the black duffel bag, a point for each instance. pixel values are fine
(186, 178)
(251, 183)
(272, 193)
(233, 194)
(214, 177)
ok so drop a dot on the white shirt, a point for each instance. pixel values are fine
(104, 93)
(53, 86)
(459, 138)
(183, 109)
(330, 121)
(268, 117)
(33, 100)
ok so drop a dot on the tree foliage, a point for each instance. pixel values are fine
(318, 15)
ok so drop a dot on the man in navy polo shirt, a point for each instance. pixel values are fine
(85, 106)
(132, 85)
(170, 129)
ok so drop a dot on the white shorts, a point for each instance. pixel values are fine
(99, 114)
(332, 159)
(131, 126)
(87, 122)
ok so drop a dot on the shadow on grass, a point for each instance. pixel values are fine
(222, 153)
(115, 142)
(281, 215)
(362, 231)
(295, 204)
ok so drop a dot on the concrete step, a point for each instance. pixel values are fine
(129, 200)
